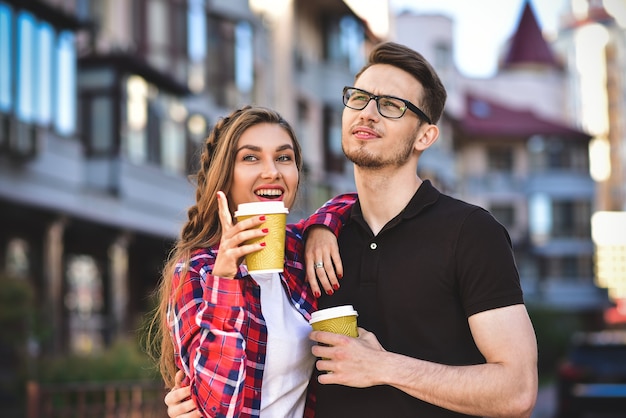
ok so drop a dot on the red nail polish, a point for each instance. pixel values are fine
(265, 230)
(340, 276)
(317, 294)
(262, 218)
(262, 244)
(335, 286)
(329, 292)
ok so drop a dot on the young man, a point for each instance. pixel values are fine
(443, 328)
(444, 331)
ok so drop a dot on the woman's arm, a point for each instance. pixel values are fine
(207, 322)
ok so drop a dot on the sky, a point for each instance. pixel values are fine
(482, 26)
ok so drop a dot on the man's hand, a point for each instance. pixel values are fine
(349, 361)
(321, 247)
(179, 402)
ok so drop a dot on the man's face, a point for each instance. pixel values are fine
(370, 140)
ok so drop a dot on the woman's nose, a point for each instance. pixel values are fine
(270, 170)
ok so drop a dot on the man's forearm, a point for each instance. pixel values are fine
(493, 390)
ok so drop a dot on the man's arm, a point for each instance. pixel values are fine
(506, 386)
(320, 246)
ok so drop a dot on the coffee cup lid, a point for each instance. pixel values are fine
(258, 208)
(335, 312)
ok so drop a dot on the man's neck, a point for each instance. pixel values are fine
(383, 194)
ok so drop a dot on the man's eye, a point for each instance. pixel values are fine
(392, 104)
(359, 97)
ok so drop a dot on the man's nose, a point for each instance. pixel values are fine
(371, 110)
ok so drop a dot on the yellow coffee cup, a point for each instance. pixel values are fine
(339, 319)
(271, 258)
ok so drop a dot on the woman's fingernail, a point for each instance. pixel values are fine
(329, 292)
(335, 286)
(262, 244)
(265, 230)
(340, 276)
(262, 218)
(317, 294)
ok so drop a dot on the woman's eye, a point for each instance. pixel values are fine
(284, 158)
(250, 158)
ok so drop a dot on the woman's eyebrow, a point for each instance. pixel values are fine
(258, 149)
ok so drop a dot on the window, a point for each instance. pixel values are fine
(554, 153)
(220, 72)
(18, 258)
(505, 214)
(334, 158)
(37, 71)
(65, 117)
(571, 219)
(443, 56)
(84, 302)
(6, 58)
(500, 159)
(154, 127)
(344, 38)
(572, 268)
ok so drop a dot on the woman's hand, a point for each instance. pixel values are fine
(179, 402)
(232, 243)
(321, 248)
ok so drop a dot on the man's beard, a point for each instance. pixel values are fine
(364, 158)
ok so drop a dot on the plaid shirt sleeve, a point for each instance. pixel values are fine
(334, 214)
(207, 319)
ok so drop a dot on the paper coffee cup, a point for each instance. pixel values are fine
(340, 320)
(270, 259)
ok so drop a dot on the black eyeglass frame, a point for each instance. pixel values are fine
(376, 98)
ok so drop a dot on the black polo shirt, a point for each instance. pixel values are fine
(414, 285)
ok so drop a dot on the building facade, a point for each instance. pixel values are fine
(509, 144)
(103, 105)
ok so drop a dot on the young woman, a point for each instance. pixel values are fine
(241, 339)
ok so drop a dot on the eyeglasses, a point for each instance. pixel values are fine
(388, 106)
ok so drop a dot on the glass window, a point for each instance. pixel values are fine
(196, 30)
(18, 258)
(500, 159)
(45, 41)
(6, 59)
(244, 74)
(505, 214)
(26, 59)
(101, 131)
(572, 219)
(84, 302)
(65, 117)
(136, 119)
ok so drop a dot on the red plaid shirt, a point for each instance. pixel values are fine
(219, 332)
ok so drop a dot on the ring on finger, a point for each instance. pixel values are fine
(319, 265)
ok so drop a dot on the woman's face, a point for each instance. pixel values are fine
(265, 166)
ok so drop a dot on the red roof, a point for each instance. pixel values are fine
(486, 118)
(528, 45)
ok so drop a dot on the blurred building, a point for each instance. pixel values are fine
(103, 105)
(508, 143)
(593, 40)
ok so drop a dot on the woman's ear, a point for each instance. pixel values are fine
(427, 137)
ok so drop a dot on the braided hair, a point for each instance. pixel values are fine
(203, 228)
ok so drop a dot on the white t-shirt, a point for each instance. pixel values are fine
(289, 361)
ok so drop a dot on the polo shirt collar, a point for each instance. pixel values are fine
(425, 196)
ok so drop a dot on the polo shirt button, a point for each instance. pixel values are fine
(373, 245)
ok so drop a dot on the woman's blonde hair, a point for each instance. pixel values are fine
(203, 228)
